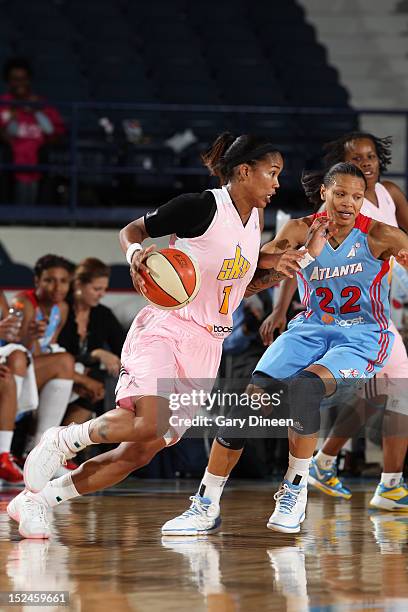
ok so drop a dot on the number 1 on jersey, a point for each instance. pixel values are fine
(225, 301)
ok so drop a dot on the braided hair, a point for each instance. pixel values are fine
(335, 150)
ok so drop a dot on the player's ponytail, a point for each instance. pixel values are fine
(228, 152)
(312, 181)
(214, 159)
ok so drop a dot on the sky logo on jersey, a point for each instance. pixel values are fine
(352, 373)
(232, 269)
(353, 250)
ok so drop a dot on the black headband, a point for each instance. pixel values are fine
(255, 154)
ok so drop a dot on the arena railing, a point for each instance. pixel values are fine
(72, 212)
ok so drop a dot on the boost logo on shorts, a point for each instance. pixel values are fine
(349, 322)
(328, 319)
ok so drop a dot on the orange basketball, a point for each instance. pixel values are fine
(174, 279)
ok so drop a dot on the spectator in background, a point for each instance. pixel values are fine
(44, 314)
(27, 123)
(91, 333)
(14, 363)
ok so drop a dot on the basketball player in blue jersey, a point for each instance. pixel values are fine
(385, 202)
(342, 335)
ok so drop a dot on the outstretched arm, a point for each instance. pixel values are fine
(281, 255)
(278, 317)
(385, 241)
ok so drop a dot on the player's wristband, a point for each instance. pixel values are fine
(131, 250)
(306, 259)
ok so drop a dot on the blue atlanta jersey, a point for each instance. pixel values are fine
(347, 287)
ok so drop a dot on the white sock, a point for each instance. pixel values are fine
(212, 486)
(54, 398)
(5, 441)
(298, 470)
(75, 437)
(19, 385)
(326, 462)
(57, 491)
(390, 479)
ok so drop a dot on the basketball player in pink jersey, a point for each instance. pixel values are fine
(167, 351)
(385, 202)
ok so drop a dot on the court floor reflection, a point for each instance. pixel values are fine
(107, 551)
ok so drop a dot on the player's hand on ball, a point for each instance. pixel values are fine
(321, 230)
(139, 266)
(402, 258)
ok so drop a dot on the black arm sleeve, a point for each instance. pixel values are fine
(188, 216)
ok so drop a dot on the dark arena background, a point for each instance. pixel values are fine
(106, 109)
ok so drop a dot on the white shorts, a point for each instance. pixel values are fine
(392, 380)
(28, 396)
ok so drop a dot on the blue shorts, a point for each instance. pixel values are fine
(357, 352)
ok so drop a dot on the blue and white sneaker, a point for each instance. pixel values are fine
(290, 508)
(327, 481)
(391, 498)
(203, 517)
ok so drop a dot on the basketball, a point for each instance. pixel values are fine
(174, 279)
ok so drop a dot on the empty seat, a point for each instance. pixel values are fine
(185, 92)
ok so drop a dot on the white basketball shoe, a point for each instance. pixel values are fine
(290, 508)
(31, 516)
(45, 459)
(202, 517)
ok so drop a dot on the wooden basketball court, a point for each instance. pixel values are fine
(108, 553)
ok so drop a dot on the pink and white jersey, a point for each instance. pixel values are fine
(227, 255)
(385, 211)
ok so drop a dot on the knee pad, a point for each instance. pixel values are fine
(306, 392)
(267, 383)
(239, 426)
(230, 443)
(230, 436)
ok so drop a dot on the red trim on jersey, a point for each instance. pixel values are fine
(305, 300)
(30, 295)
(306, 295)
(363, 223)
(377, 306)
(385, 348)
